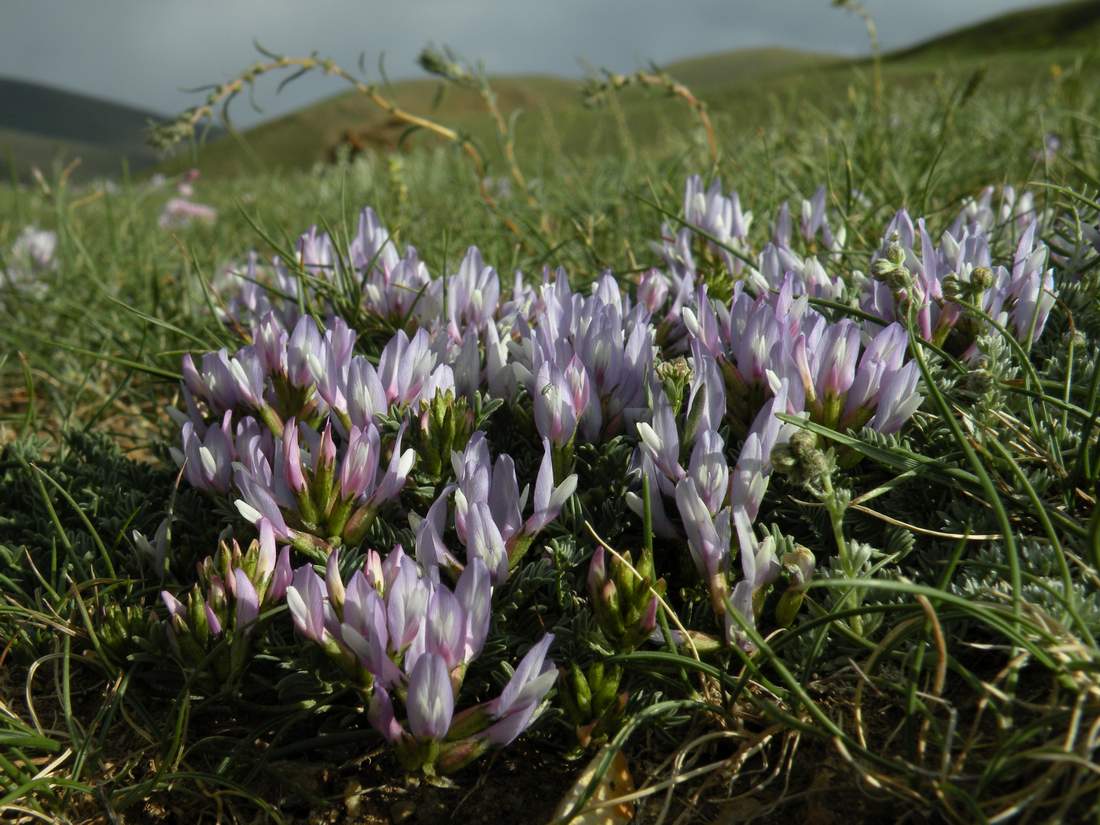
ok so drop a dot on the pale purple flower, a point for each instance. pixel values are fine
(397, 472)
(270, 339)
(445, 627)
(404, 366)
(292, 458)
(839, 350)
(521, 697)
(181, 212)
(258, 502)
(709, 471)
(759, 568)
(430, 703)
(555, 410)
(430, 548)
(661, 439)
(372, 247)
(207, 461)
(305, 353)
(898, 400)
(360, 462)
(380, 715)
(653, 290)
(472, 295)
(474, 592)
(708, 535)
(246, 598)
(753, 469)
(365, 395)
(316, 254)
(307, 602)
(175, 607)
(548, 499)
(485, 542)
(406, 603)
(364, 630)
(882, 357)
(282, 575)
(500, 377)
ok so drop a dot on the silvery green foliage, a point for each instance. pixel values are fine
(1044, 587)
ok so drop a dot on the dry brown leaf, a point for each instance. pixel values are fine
(615, 783)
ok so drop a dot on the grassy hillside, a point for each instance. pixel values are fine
(1064, 26)
(20, 151)
(552, 115)
(744, 65)
(737, 86)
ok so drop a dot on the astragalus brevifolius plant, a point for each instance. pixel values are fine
(305, 436)
(776, 475)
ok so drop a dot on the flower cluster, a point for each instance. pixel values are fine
(307, 434)
(951, 287)
(488, 511)
(403, 635)
(290, 423)
(225, 603)
(587, 362)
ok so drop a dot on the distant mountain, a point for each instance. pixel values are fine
(41, 124)
(55, 113)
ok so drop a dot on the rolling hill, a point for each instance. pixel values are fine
(1073, 25)
(1012, 46)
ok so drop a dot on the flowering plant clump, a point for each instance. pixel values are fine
(212, 630)
(401, 634)
(944, 283)
(371, 401)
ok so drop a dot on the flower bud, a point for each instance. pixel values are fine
(787, 608)
(952, 288)
(675, 376)
(882, 268)
(899, 279)
(333, 583)
(982, 278)
(597, 574)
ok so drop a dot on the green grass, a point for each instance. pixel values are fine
(970, 693)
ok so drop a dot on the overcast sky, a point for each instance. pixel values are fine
(144, 52)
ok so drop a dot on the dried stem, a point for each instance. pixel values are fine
(222, 95)
(659, 80)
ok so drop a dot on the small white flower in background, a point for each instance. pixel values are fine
(35, 248)
(31, 255)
